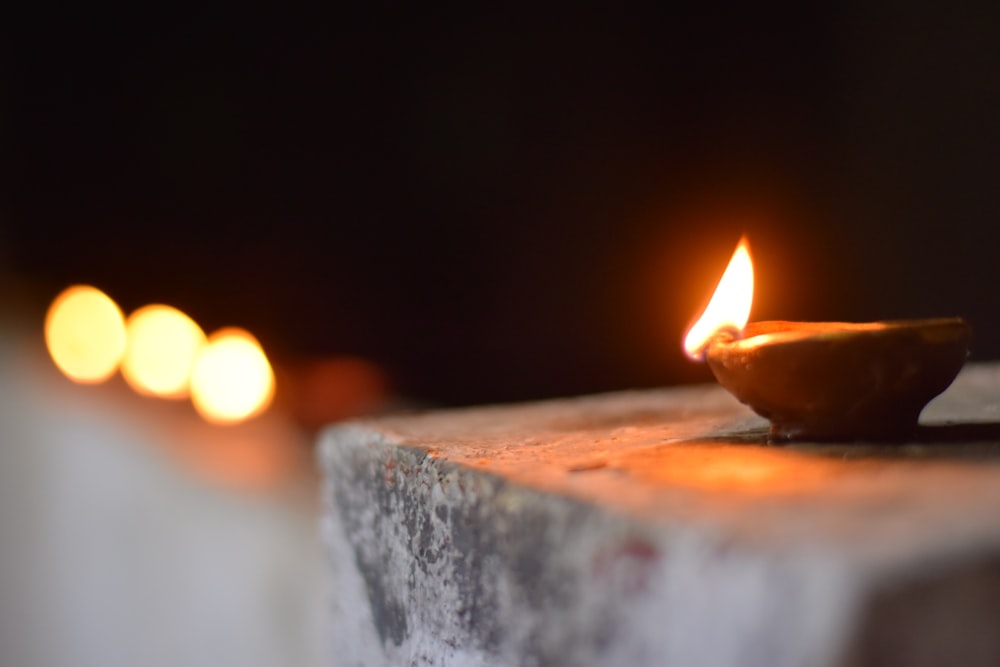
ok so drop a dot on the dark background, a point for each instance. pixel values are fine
(507, 205)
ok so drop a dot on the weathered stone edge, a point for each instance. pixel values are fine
(452, 565)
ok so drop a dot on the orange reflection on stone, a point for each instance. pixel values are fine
(733, 468)
(265, 453)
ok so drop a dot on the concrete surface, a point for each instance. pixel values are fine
(659, 528)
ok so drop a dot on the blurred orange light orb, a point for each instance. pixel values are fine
(162, 346)
(85, 334)
(232, 378)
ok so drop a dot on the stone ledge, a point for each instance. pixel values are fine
(657, 527)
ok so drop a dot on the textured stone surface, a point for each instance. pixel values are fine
(658, 527)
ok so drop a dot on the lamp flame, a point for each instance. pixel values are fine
(729, 307)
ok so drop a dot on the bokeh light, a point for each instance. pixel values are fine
(162, 346)
(324, 390)
(85, 334)
(232, 378)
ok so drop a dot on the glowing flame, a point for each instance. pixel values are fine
(232, 378)
(730, 303)
(85, 334)
(162, 345)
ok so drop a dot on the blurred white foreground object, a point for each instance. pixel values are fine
(133, 533)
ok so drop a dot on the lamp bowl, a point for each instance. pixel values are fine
(839, 380)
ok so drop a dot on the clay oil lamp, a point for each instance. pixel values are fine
(825, 381)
